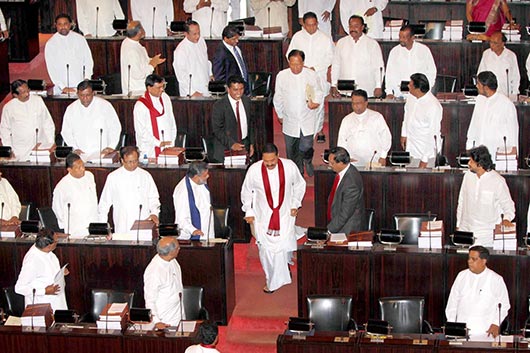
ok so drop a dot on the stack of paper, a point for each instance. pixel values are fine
(235, 158)
(113, 317)
(273, 32)
(512, 35)
(392, 28)
(361, 239)
(509, 235)
(338, 239)
(8, 231)
(453, 30)
(431, 235)
(37, 315)
(94, 158)
(253, 32)
(40, 153)
(506, 159)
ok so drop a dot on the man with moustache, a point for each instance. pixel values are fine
(323, 10)
(358, 57)
(405, 59)
(228, 59)
(370, 10)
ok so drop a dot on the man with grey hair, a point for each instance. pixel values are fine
(163, 284)
(192, 204)
(134, 61)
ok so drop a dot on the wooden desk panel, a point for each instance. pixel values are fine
(12, 339)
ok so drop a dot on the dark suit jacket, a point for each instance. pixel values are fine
(225, 65)
(347, 210)
(224, 127)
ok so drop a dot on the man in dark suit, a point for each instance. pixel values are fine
(232, 123)
(228, 59)
(346, 213)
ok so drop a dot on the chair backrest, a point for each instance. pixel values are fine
(25, 211)
(444, 84)
(192, 299)
(172, 85)
(370, 213)
(14, 301)
(260, 83)
(48, 219)
(180, 140)
(330, 313)
(404, 314)
(410, 224)
(122, 142)
(59, 140)
(220, 221)
(113, 82)
(100, 298)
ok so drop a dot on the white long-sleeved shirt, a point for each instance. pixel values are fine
(3, 25)
(38, 271)
(205, 18)
(361, 61)
(197, 348)
(318, 7)
(498, 64)
(134, 54)
(82, 126)
(126, 191)
(474, 299)
(71, 50)
(102, 12)
(402, 63)
(493, 118)
(362, 134)
(481, 202)
(359, 7)
(278, 13)
(142, 10)
(80, 194)
(290, 101)
(528, 65)
(145, 139)
(162, 285)
(9, 198)
(182, 209)
(422, 121)
(19, 121)
(192, 59)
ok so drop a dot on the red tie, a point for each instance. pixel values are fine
(239, 134)
(332, 195)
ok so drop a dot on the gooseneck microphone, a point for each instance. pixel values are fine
(269, 22)
(211, 21)
(97, 20)
(372, 159)
(107, 316)
(505, 153)
(68, 79)
(165, 156)
(500, 306)
(502, 234)
(181, 315)
(139, 219)
(33, 303)
(189, 87)
(129, 80)
(100, 144)
(210, 216)
(381, 77)
(436, 164)
(68, 222)
(508, 83)
(36, 147)
(429, 229)
(1, 219)
(153, 23)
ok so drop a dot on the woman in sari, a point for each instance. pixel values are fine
(493, 12)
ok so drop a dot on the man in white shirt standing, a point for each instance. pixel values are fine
(272, 13)
(209, 14)
(4, 31)
(90, 124)
(420, 132)
(271, 195)
(10, 208)
(370, 10)
(503, 63)
(25, 120)
(135, 64)
(494, 121)
(68, 57)
(192, 202)
(191, 64)
(322, 8)
(405, 59)
(154, 122)
(477, 296)
(296, 99)
(358, 57)
(163, 285)
(364, 133)
(132, 192)
(75, 202)
(36, 281)
(95, 17)
(483, 198)
(155, 15)
(318, 49)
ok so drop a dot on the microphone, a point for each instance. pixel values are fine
(97, 18)
(33, 303)
(505, 153)
(429, 229)
(107, 316)
(211, 21)
(372, 159)
(1, 219)
(450, 24)
(138, 229)
(500, 306)
(390, 23)
(381, 76)
(36, 147)
(269, 22)
(68, 79)
(189, 87)
(473, 144)
(181, 315)
(129, 80)
(436, 165)
(165, 156)
(68, 221)
(502, 235)
(84, 70)
(100, 144)
(210, 215)
(508, 83)
(153, 24)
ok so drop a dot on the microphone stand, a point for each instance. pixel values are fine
(68, 223)
(450, 25)
(502, 233)
(429, 229)
(84, 70)
(165, 156)
(211, 21)
(100, 144)
(209, 225)
(189, 87)
(505, 153)
(436, 164)
(107, 316)
(33, 303)
(138, 229)
(181, 314)
(508, 82)
(269, 22)
(97, 19)
(153, 23)
(381, 80)
(1, 219)
(68, 80)
(371, 160)
(500, 323)
(129, 80)
(36, 147)
(390, 23)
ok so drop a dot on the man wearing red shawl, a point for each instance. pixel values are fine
(493, 12)
(271, 195)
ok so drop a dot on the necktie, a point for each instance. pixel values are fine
(239, 134)
(241, 64)
(332, 195)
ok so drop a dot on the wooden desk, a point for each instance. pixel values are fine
(120, 265)
(4, 70)
(192, 116)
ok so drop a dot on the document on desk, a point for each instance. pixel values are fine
(59, 278)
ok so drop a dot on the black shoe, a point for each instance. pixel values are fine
(321, 138)
(310, 170)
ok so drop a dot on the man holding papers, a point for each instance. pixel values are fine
(40, 275)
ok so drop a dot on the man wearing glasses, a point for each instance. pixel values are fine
(132, 192)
